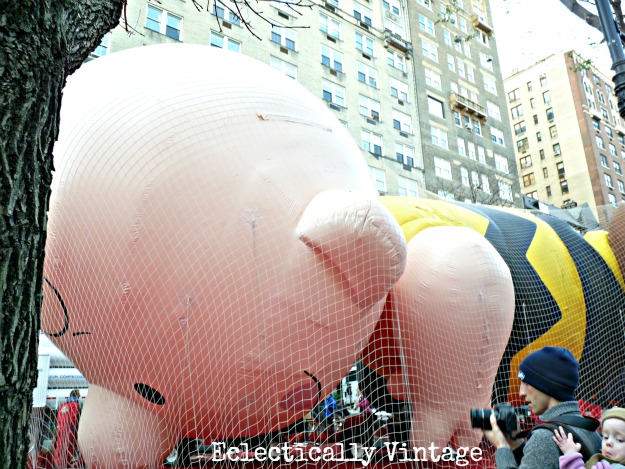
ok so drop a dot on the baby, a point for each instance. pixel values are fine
(612, 444)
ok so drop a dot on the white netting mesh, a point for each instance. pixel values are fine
(218, 264)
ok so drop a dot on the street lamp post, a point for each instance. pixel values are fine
(615, 46)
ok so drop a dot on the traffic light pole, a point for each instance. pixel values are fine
(615, 46)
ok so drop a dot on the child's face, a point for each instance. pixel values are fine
(613, 441)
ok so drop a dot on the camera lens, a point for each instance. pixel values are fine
(480, 418)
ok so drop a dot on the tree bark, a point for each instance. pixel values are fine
(41, 43)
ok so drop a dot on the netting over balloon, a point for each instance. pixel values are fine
(221, 270)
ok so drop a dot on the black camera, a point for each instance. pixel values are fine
(506, 416)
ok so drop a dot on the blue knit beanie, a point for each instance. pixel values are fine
(552, 370)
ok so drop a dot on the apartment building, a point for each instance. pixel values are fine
(569, 137)
(420, 124)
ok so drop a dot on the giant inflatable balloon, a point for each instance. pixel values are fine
(568, 291)
(217, 255)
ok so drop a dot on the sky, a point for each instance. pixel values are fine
(530, 30)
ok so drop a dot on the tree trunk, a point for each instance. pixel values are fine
(41, 43)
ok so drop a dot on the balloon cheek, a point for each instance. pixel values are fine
(302, 398)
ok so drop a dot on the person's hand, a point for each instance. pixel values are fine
(565, 442)
(496, 436)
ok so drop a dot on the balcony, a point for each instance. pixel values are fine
(481, 24)
(396, 41)
(464, 104)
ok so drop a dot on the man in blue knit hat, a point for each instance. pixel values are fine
(549, 378)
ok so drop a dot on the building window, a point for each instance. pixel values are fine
(464, 176)
(486, 61)
(604, 113)
(439, 137)
(461, 71)
(493, 110)
(548, 189)
(369, 76)
(596, 124)
(379, 179)
(529, 86)
(333, 93)
(451, 63)
(481, 154)
(288, 69)
(456, 115)
(426, 3)
(471, 150)
(525, 162)
(545, 173)
(402, 122)
(612, 199)
(543, 80)
(362, 13)
(219, 10)
(283, 36)
(163, 22)
(442, 168)
(612, 149)
(599, 141)
(224, 42)
(477, 127)
(369, 107)
(539, 136)
(561, 172)
(617, 167)
(621, 186)
(542, 154)
(522, 145)
(331, 58)
(404, 154)
(426, 25)
(429, 50)
(432, 79)
(399, 89)
(461, 148)
(485, 184)
(391, 6)
(330, 26)
(608, 131)
(604, 161)
(621, 139)
(550, 115)
(564, 187)
(103, 48)
(547, 97)
(490, 85)
(436, 107)
(407, 187)
(514, 95)
(505, 191)
(532, 103)
(553, 132)
(519, 128)
(396, 60)
(371, 142)
(556, 150)
(516, 111)
(501, 164)
(529, 180)
(364, 44)
(608, 180)
(496, 136)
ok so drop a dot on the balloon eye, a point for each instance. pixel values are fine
(150, 394)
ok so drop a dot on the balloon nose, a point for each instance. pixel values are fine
(360, 237)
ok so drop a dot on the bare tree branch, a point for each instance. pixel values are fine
(589, 17)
